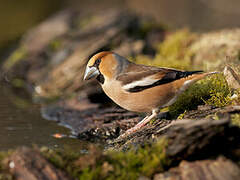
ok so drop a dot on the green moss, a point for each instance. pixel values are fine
(16, 56)
(220, 94)
(111, 164)
(146, 161)
(62, 159)
(235, 119)
(18, 82)
(172, 52)
(218, 99)
(212, 90)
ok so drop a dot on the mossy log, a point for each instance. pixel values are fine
(219, 169)
(189, 138)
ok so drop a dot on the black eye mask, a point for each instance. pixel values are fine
(100, 77)
(96, 63)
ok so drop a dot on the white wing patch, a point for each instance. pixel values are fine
(143, 82)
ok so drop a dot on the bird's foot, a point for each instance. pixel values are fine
(132, 130)
(137, 127)
(140, 125)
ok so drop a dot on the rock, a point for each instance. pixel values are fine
(233, 79)
(28, 164)
(219, 169)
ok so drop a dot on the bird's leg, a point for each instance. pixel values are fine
(141, 124)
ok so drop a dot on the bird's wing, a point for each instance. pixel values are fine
(144, 77)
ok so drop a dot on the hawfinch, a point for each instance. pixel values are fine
(138, 87)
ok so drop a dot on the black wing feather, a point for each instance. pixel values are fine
(169, 77)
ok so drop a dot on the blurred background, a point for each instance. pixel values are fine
(200, 15)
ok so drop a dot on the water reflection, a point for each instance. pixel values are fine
(23, 125)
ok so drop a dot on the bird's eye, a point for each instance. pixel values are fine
(97, 62)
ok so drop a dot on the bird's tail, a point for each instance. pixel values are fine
(193, 76)
(183, 74)
(197, 76)
(188, 73)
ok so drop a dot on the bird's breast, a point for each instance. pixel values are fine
(144, 101)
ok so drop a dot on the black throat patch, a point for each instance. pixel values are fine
(100, 78)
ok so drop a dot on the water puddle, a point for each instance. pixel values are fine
(21, 124)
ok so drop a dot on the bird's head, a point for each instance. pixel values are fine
(102, 65)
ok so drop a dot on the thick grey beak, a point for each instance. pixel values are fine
(90, 73)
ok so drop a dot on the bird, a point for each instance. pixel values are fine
(137, 87)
